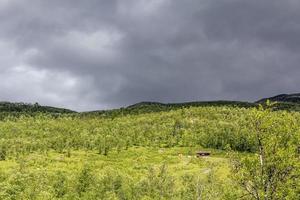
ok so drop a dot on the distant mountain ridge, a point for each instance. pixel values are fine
(9, 107)
(289, 102)
(290, 98)
(193, 103)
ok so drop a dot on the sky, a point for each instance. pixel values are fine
(101, 54)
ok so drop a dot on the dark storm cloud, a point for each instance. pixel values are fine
(100, 54)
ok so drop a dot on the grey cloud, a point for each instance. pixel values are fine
(121, 52)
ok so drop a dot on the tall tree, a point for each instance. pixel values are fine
(273, 171)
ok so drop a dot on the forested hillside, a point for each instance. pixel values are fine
(29, 108)
(291, 98)
(8, 109)
(283, 102)
(254, 155)
(152, 107)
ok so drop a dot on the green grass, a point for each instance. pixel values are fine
(134, 161)
(133, 165)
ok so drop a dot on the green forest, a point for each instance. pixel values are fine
(135, 154)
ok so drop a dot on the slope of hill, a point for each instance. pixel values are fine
(151, 107)
(291, 98)
(290, 102)
(30, 108)
(151, 155)
(146, 154)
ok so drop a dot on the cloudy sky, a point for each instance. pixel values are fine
(98, 54)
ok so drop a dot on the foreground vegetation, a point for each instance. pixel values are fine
(255, 155)
(137, 173)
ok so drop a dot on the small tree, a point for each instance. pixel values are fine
(84, 180)
(3, 152)
(60, 185)
(157, 185)
(273, 171)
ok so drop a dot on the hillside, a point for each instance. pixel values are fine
(290, 98)
(149, 156)
(30, 108)
(152, 107)
(148, 151)
(289, 102)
